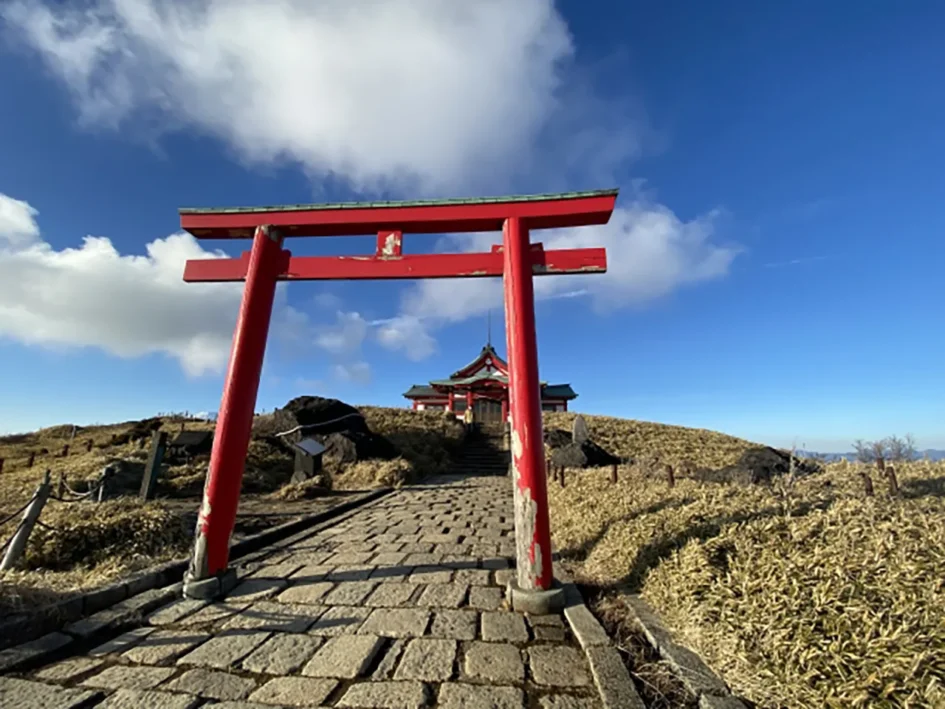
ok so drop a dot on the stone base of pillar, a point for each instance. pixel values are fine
(212, 588)
(535, 602)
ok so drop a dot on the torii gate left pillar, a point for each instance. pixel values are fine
(516, 260)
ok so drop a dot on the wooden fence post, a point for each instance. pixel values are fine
(153, 467)
(1, 465)
(31, 460)
(88, 446)
(30, 516)
(65, 451)
(613, 473)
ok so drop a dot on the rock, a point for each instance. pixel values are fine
(556, 438)
(579, 433)
(351, 446)
(331, 415)
(585, 455)
(757, 466)
(568, 456)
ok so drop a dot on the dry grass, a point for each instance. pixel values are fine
(799, 596)
(642, 440)
(426, 439)
(90, 543)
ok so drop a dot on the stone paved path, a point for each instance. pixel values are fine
(399, 606)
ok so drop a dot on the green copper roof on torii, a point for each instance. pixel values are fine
(549, 197)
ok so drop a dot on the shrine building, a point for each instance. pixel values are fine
(484, 385)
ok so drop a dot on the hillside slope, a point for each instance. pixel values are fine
(798, 594)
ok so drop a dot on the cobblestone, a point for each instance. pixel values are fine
(449, 595)
(504, 626)
(385, 695)
(391, 594)
(339, 620)
(282, 654)
(427, 659)
(22, 693)
(349, 594)
(397, 622)
(498, 663)
(305, 592)
(344, 657)
(148, 699)
(294, 691)
(212, 684)
(68, 669)
(175, 611)
(122, 642)
(471, 696)
(455, 624)
(558, 666)
(225, 650)
(486, 598)
(269, 615)
(164, 646)
(120, 677)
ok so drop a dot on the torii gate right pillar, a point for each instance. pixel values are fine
(532, 590)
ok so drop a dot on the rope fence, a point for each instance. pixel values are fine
(13, 548)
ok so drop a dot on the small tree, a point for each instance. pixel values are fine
(891, 448)
(900, 449)
(864, 451)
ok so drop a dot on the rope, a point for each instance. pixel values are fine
(316, 425)
(19, 511)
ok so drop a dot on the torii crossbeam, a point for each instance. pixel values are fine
(516, 260)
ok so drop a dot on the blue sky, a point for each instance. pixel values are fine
(775, 259)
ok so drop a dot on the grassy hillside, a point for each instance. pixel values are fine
(801, 595)
(86, 543)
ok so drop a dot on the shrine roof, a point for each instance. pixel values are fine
(475, 378)
(421, 390)
(487, 351)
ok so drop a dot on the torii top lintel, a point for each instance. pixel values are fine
(540, 211)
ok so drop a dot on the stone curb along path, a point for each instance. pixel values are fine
(51, 630)
(701, 681)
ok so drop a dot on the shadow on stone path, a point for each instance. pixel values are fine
(398, 606)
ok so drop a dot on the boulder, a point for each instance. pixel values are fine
(330, 415)
(353, 446)
(757, 466)
(591, 453)
(579, 433)
(568, 456)
(556, 438)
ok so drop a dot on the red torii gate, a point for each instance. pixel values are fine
(516, 260)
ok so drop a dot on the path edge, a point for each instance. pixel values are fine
(611, 676)
(47, 631)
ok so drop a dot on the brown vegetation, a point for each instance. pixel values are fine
(86, 543)
(802, 592)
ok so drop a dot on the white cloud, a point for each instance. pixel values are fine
(432, 93)
(650, 252)
(127, 305)
(18, 225)
(356, 372)
(344, 337)
(408, 334)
